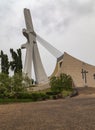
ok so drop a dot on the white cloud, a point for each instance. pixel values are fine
(53, 19)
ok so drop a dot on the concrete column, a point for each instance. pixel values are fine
(38, 67)
(28, 60)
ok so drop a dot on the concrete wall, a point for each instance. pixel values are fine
(73, 67)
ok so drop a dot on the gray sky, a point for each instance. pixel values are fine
(69, 25)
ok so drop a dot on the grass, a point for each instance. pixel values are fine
(8, 100)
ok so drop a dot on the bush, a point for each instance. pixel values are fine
(17, 83)
(22, 95)
(66, 81)
(52, 93)
(63, 82)
(39, 96)
(56, 85)
(32, 96)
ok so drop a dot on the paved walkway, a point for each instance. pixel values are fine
(65, 114)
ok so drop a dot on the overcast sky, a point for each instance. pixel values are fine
(69, 25)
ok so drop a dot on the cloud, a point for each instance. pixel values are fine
(51, 18)
(48, 15)
(82, 7)
(60, 14)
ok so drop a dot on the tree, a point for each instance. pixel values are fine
(4, 63)
(19, 63)
(17, 83)
(5, 85)
(11, 86)
(16, 64)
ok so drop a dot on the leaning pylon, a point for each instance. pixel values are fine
(32, 53)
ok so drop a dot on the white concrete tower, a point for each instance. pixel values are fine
(32, 53)
(29, 44)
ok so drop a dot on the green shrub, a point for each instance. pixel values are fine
(39, 96)
(32, 96)
(56, 85)
(52, 93)
(24, 95)
(63, 82)
(66, 81)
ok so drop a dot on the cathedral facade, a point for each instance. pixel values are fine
(83, 74)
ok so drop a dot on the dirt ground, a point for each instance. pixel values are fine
(64, 114)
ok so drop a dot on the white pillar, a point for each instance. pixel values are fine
(38, 67)
(28, 61)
